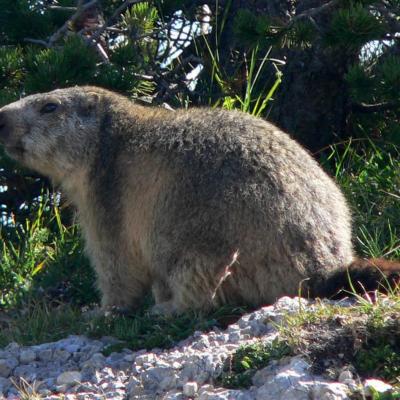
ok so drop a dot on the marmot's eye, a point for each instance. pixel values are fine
(48, 108)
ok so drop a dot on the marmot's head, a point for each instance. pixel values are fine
(52, 133)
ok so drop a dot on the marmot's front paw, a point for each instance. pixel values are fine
(166, 308)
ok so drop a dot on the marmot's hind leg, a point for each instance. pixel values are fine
(195, 282)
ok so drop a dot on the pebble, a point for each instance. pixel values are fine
(7, 365)
(69, 378)
(27, 356)
(4, 385)
(345, 376)
(74, 368)
(189, 389)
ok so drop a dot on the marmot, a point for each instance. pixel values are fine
(202, 207)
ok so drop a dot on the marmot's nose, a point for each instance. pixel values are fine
(4, 129)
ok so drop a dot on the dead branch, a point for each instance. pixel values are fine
(37, 41)
(62, 8)
(312, 12)
(81, 8)
(371, 108)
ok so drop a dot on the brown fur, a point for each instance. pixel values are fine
(361, 276)
(167, 198)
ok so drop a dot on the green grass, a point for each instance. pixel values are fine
(385, 396)
(247, 360)
(369, 174)
(44, 258)
(41, 322)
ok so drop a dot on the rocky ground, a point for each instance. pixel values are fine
(75, 368)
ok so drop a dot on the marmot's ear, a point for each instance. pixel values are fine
(89, 103)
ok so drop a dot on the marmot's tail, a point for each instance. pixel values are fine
(361, 276)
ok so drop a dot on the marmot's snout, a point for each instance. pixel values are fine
(4, 128)
(11, 143)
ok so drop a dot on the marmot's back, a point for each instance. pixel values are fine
(242, 184)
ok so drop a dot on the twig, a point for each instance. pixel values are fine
(103, 53)
(343, 142)
(312, 12)
(36, 41)
(371, 108)
(227, 271)
(62, 8)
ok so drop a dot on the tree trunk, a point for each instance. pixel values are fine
(311, 103)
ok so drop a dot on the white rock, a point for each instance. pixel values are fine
(27, 356)
(190, 389)
(376, 385)
(12, 347)
(45, 355)
(61, 355)
(330, 391)
(279, 391)
(344, 376)
(221, 394)
(4, 385)
(69, 378)
(174, 395)
(145, 358)
(176, 365)
(129, 358)
(7, 366)
(97, 360)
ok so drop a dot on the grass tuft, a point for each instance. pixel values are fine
(365, 335)
(247, 360)
(42, 322)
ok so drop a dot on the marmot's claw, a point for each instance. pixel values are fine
(166, 308)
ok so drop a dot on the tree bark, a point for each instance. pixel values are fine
(312, 100)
